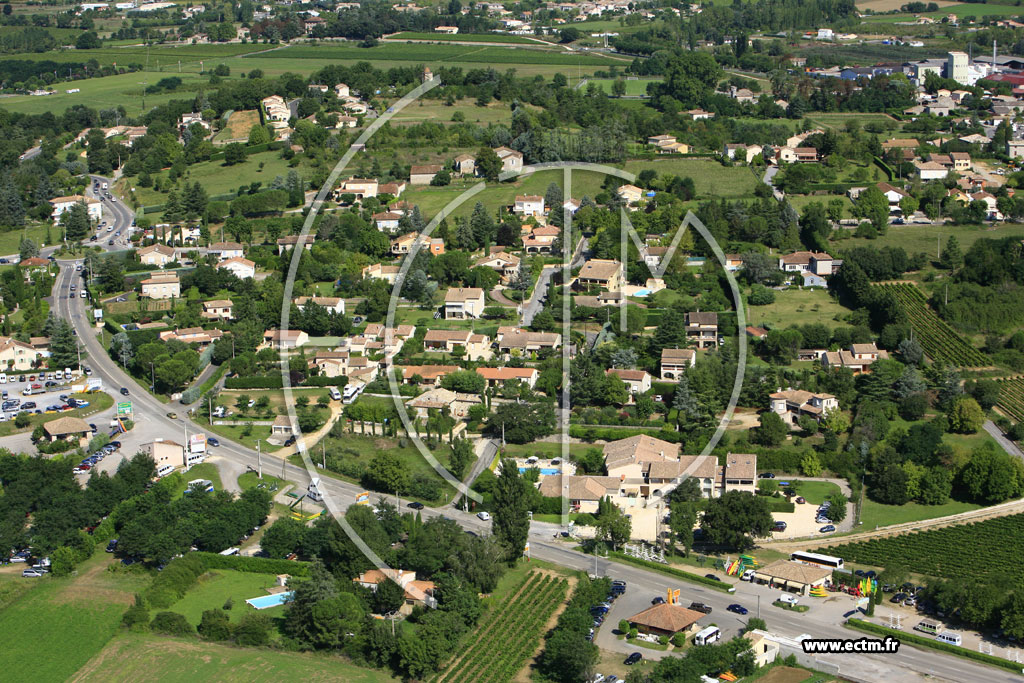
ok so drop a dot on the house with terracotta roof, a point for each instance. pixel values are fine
(702, 328)
(603, 273)
(630, 194)
(503, 263)
(511, 160)
(461, 303)
(417, 592)
(465, 164)
(217, 309)
(498, 376)
(817, 262)
(857, 358)
(62, 204)
(675, 362)
(288, 242)
(284, 339)
(394, 189)
(667, 620)
(192, 335)
(438, 399)
(739, 473)
(67, 429)
(386, 221)
(422, 175)
(638, 381)
(381, 271)
(161, 286)
(540, 239)
(929, 170)
(156, 255)
(334, 304)
(360, 187)
(794, 577)
(17, 355)
(425, 374)
(519, 341)
(528, 205)
(792, 403)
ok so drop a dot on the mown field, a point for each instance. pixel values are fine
(499, 57)
(108, 91)
(634, 88)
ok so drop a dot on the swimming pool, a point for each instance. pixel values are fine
(543, 470)
(265, 601)
(642, 292)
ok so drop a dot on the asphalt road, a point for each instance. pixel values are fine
(823, 620)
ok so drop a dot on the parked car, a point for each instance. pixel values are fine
(766, 475)
(827, 529)
(112, 546)
(486, 516)
(416, 505)
(658, 600)
(712, 577)
(32, 573)
(633, 659)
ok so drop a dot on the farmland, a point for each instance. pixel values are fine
(1011, 398)
(511, 633)
(238, 125)
(634, 87)
(940, 341)
(464, 37)
(953, 552)
(439, 54)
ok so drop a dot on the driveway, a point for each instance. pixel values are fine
(996, 433)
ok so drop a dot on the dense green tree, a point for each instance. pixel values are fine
(511, 524)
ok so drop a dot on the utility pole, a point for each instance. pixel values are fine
(209, 403)
(259, 461)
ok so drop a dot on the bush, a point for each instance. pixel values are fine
(339, 382)
(253, 630)
(679, 639)
(174, 581)
(215, 625)
(263, 382)
(137, 615)
(253, 565)
(632, 634)
(172, 624)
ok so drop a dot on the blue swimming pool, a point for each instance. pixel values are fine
(642, 292)
(265, 601)
(543, 470)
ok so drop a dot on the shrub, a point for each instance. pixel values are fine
(215, 625)
(253, 630)
(172, 624)
(632, 633)
(174, 581)
(254, 565)
(137, 615)
(679, 639)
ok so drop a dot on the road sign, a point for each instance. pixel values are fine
(124, 408)
(363, 498)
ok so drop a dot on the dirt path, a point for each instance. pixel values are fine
(310, 440)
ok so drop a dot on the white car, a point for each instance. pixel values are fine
(486, 516)
(32, 573)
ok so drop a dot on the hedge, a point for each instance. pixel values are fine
(252, 565)
(325, 382)
(671, 571)
(173, 582)
(906, 637)
(263, 382)
(594, 433)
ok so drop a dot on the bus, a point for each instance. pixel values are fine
(707, 635)
(352, 392)
(817, 560)
(928, 627)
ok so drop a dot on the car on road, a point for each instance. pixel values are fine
(827, 529)
(700, 607)
(486, 516)
(172, 415)
(658, 601)
(738, 609)
(416, 505)
(633, 659)
(83, 295)
(87, 369)
(212, 441)
(32, 573)
(766, 475)
(124, 391)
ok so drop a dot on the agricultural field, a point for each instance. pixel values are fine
(838, 120)
(499, 57)
(925, 238)
(875, 514)
(238, 125)
(138, 657)
(1011, 398)
(938, 339)
(952, 552)
(797, 306)
(510, 634)
(464, 37)
(890, 5)
(438, 112)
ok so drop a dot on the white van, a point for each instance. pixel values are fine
(707, 635)
(164, 470)
(59, 374)
(789, 599)
(748, 575)
(951, 638)
(335, 394)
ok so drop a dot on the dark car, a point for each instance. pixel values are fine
(212, 441)
(112, 546)
(899, 597)
(416, 505)
(712, 577)
(124, 391)
(633, 659)
(115, 444)
(700, 607)
(766, 475)
(738, 609)
(658, 601)
(828, 528)
(290, 440)
(779, 526)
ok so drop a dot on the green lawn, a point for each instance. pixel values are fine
(275, 63)
(216, 587)
(250, 480)
(709, 176)
(438, 112)
(799, 201)
(499, 57)
(138, 657)
(10, 239)
(838, 120)
(206, 470)
(796, 307)
(815, 492)
(877, 514)
(57, 625)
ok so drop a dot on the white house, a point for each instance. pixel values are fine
(226, 250)
(242, 268)
(529, 205)
(62, 204)
(387, 221)
(156, 255)
(333, 304)
(463, 302)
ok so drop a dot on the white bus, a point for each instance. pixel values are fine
(950, 637)
(352, 392)
(817, 560)
(164, 470)
(229, 551)
(707, 635)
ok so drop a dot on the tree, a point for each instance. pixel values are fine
(991, 476)
(75, 222)
(63, 345)
(215, 625)
(488, 164)
(772, 430)
(253, 630)
(462, 454)
(172, 624)
(387, 473)
(511, 524)
(234, 153)
(612, 524)
(27, 249)
(837, 512)
(521, 422)
(952, 257)
(735, 519)
(965, 416)
(873, 205)
(88, 41)
(283, 537)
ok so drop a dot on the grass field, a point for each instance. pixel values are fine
(432, 110)
(250, 480)
(216, 587)
(123, 89)
(961, 9)
(499, 57)
(464, 37)
(833, 120)
(136, 657)
(918, 238)
(710, 178)
(799, 201)
(636, 87)
(206, 470)
(275, 64)
(815, 492)
(796, 307)
(75, 616)
(878, 514)
(238, 126)
(10, 239)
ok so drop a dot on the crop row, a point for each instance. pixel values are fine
(502, 652)
(940, 341)
(1011, 398)
(511, 635)
(978, 550)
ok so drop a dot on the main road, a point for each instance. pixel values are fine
(822, 621)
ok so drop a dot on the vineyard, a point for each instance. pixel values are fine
(981, 550)
(940, 341)
(1011, 398)
(510, 635)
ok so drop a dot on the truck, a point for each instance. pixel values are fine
(33, 390)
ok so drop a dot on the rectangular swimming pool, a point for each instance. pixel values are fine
(543, 470)
(265, 601)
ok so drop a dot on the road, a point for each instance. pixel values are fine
(536, 302)
(821, 621)
(1007, 445)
